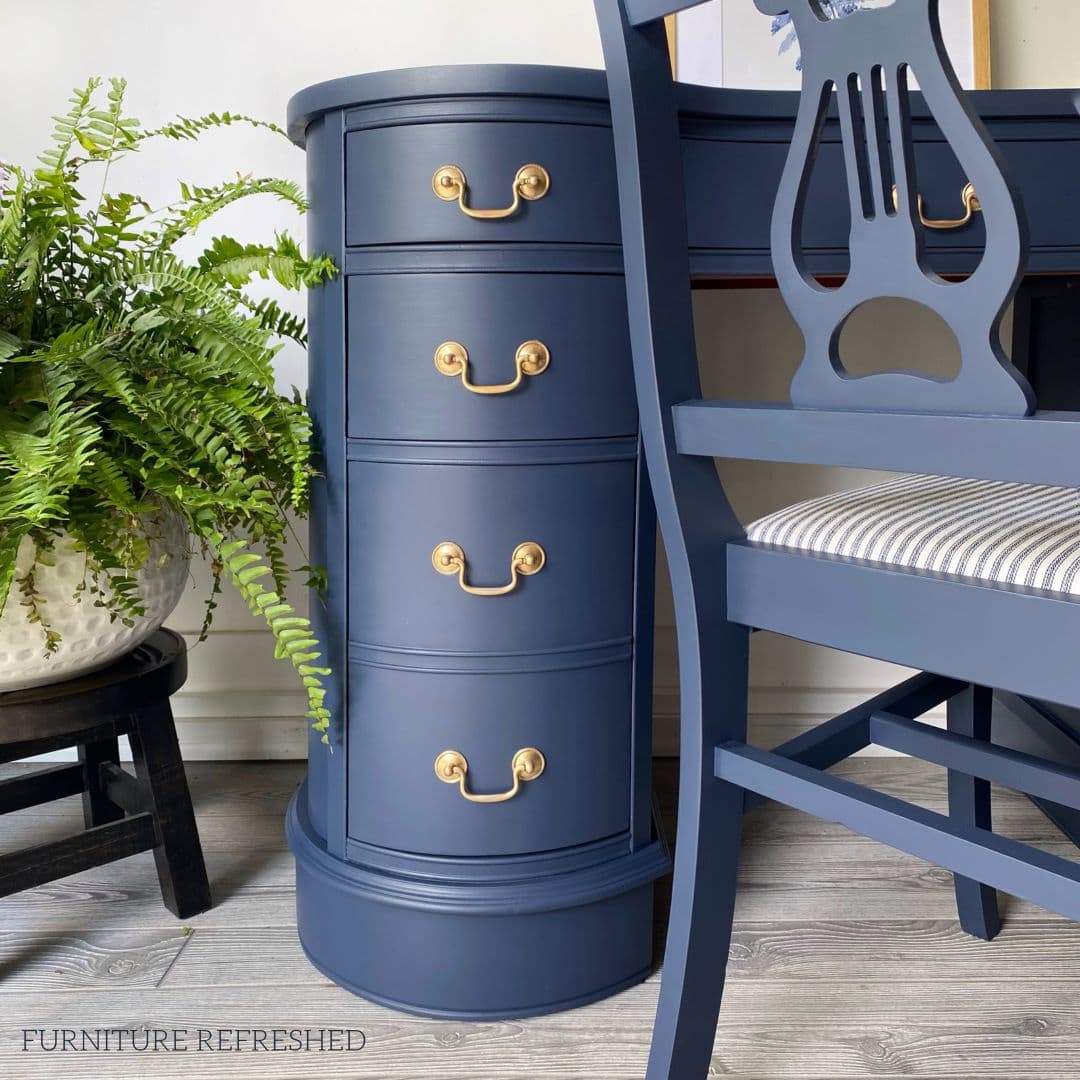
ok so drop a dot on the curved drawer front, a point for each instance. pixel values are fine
(397, 323)
(390, 197)
(401, 721)
(746, 175)
(581, 515)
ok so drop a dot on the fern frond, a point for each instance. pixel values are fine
(192, 127)
(198, 204)
(294, 637)
(132, 380)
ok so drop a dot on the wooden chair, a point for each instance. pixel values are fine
(942, 571)
(124, 814)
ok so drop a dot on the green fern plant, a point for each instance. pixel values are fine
(131, 380)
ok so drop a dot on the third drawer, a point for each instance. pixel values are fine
(581, 515)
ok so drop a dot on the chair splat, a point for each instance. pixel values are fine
(868, 59)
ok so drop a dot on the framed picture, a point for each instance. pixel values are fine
(730, 43)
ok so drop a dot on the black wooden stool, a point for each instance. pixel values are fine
(124, 814)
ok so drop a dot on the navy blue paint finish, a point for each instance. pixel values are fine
(407, 892)
(941, 623)
(397, 205)
(971, 754)
(351, 911)
(431, 946)
(1047, 880)
(326, 351)
(695, 520)
(395, 391)
(970, 716)
(830, 743)
(1035, 727)
(582, 515)
(1039, 449)
(839, 603)
(580, 718)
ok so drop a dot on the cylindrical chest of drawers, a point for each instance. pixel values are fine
(477, 840)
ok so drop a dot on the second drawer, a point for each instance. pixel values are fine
(402, 721)
(398, 322)
(580, 516)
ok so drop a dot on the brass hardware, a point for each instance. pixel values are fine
(528, 559)
(532, 182)
(452, 768)
(968, 197)
(452, 359)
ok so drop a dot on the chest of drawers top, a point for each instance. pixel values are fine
(734, 145)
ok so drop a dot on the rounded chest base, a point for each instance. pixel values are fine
(469, 950)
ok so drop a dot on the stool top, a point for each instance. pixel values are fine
(147, 675)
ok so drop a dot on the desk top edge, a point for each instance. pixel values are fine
(588, 84)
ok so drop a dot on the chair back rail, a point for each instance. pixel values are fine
(1039, 449)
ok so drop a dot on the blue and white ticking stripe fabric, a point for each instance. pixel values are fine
(1014, 534)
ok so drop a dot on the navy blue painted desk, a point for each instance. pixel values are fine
(479, 843)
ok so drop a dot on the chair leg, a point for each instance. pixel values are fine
(178, 854)
(706, 860)
(969, 714)
(98, 809)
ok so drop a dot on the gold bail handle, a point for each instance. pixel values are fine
(451, 767)
(968, 197)
(449, 183)
(528, 558)
(452, 360)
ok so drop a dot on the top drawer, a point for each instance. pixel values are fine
(389, 197)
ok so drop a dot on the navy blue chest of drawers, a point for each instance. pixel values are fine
(409, 892)
(478, 840)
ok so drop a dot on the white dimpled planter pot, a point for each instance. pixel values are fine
(89, 640)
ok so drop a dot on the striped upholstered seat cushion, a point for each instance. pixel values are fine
(1016, 534)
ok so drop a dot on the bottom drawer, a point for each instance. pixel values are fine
(401, 721)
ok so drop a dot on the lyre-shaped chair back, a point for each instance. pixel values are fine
(867, 58)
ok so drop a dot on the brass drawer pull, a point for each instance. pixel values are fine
(452, 768)
(528, 559)
(968, 197)
(452, 359)
(532, 182)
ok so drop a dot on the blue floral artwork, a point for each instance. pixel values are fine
(835, 9)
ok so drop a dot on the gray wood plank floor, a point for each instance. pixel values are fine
(847, 962)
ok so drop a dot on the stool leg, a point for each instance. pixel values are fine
(159, 766)
(969, 714)
(97, 808)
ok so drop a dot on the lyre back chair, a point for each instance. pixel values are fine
(925, 570)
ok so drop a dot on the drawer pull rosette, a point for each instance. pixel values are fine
(531, 183)
(452, 360)
(451, 767)
(528, 559)
(968, 197)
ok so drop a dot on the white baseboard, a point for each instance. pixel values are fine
(240, 726)
(776, 714)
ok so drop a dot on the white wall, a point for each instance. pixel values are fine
(250, 56)
(1035, 43)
